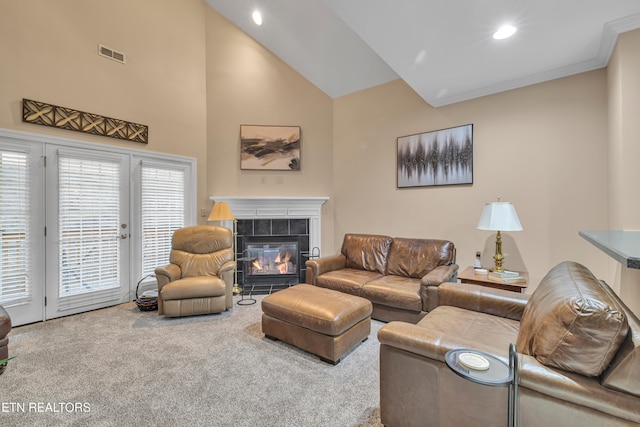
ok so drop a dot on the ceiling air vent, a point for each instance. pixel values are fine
(111, 54)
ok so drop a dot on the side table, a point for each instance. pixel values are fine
(243, 300)
(469, 276)
(498, 373)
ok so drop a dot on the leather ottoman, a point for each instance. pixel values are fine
(321, 321)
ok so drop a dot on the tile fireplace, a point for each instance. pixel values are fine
(272, 253)
(276, 235)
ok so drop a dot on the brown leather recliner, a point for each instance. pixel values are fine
(5, 328)
(579, 356)
(199, 278)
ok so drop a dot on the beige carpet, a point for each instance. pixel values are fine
(119, 366)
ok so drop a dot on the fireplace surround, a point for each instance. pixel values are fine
(268, 228)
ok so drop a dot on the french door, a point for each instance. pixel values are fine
(81, 224)
(87, 230)
(21, 232)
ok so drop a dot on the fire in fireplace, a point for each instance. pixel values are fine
(270, 262)
(273, 258)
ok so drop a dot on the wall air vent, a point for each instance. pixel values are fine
(112, 54)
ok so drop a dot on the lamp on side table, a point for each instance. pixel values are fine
(499, 216)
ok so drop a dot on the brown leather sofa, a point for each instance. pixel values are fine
(579, 356)
(5, 328)
(199, 277)
(399, 276)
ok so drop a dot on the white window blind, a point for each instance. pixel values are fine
(162, 212)
(89, 224)
(14, 226)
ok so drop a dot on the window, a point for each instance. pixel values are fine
(162, 207)
(15, 213)
(88, 224)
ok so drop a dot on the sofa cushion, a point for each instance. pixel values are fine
(456, 326)
(194, 287)
(417, 257)
(394, 291)
(366, 251)
(201, 250)
(571, 322)
(347, 280)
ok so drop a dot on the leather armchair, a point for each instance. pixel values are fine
(5, 328)
(579, 356)
(199, 278)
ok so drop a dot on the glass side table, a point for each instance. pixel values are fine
(497, 373)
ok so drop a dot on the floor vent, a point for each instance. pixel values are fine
(112, 54)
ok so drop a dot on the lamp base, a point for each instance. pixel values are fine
(498, 257)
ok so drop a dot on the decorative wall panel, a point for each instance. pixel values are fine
(44, 114)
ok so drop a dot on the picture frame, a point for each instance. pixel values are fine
(434, 158)
(270, 147)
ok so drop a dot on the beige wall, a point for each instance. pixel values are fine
(247, 84)
(543, 147)
(624, 151)
(624, 148)
(49, 53)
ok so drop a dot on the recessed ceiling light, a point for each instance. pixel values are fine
(504, 32)
(257, 17)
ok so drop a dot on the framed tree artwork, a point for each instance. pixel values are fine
(441, 157)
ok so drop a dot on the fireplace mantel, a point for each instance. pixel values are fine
(273, 207)
(252, 207)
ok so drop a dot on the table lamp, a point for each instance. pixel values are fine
(499, 216)
(221, 212)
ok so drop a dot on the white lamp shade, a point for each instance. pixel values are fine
(499, 216)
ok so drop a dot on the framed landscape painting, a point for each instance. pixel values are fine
(270, 147)
(441, 157)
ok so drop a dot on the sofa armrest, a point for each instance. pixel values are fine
(167, 274)
(227, 267)
(316, 267)
(431, 281)
(440, 274)
(429, 342)
(412, 338)
(226, 274)
(482, 299)
(575, 388)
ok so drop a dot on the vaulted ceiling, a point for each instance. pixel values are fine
(443, 49)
